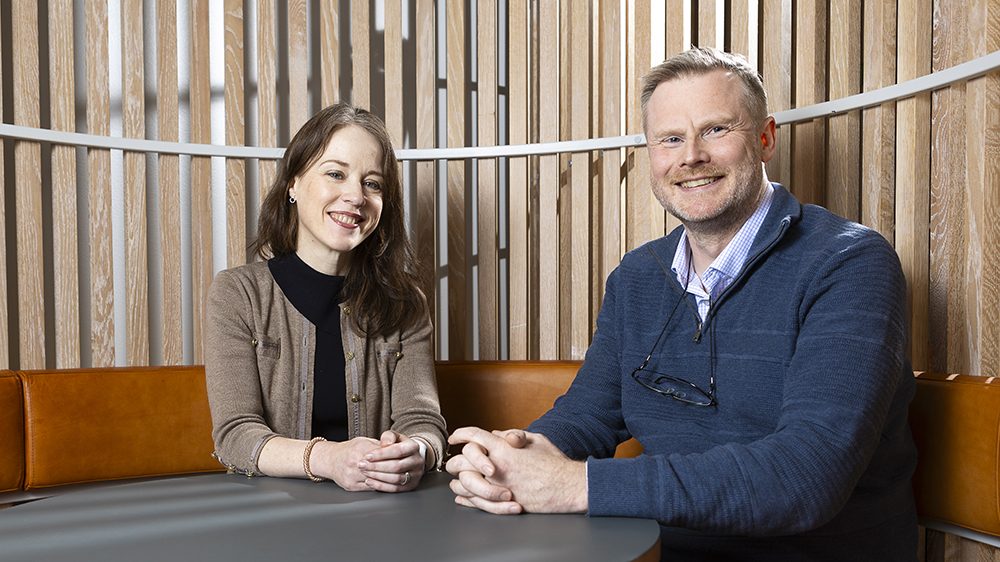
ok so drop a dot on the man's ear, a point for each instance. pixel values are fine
(767, 140)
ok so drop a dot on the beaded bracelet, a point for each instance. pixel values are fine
(305, 459)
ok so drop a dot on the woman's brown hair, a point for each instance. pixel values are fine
(382, 284)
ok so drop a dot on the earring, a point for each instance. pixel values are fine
(291, 199)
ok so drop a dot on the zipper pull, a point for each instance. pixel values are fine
(697, 334)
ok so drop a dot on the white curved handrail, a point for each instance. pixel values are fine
(936, 80)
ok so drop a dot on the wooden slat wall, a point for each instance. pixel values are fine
(922, 171)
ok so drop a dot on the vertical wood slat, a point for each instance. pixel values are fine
(777, 71)
(609, 89)
(564, 195)
(456, 81)
(298, 66)
(580, 195)
(4, 317)
(745, 30)
(517, 122)
(329, 53)
(548, 230)
(643, 213)
(673, 44)
(913, 171)
(65, 261)
(361, 55)
(171, 307)
(708, 32)
(489, 333)
(236, 182)
(878, 175)
(27, 188)
(102, 313)
(393, 47)
(267, 88)
(808, 138)
(843, 155)
(134, 164)
(949, 184)
(426, 209)
(201, 171)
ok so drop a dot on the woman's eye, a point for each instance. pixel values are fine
(373, 185)
(335, 175)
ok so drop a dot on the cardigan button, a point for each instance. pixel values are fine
(355, 398)
(399, 354)
(347, 310)
(350, 355)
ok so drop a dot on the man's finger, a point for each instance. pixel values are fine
(477, 485)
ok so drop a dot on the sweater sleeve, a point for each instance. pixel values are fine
(239, 427)
(846, 377)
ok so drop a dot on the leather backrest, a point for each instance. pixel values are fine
(506, 394)
(11, 433)
(85, 425)
(955, 420)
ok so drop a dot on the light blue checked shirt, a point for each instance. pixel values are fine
(726, 266)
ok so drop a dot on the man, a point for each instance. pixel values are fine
(758, 353)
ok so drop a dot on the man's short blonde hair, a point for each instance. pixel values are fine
(702, 60)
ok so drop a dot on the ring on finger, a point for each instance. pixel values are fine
(406, 479)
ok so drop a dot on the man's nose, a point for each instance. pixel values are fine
(695, 152)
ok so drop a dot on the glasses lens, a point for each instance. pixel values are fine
(676, 388)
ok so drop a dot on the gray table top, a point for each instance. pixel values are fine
(230, 517)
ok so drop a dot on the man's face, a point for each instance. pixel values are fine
(705, 151)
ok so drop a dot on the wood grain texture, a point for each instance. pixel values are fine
(708, 24)
(102, 311)
(5, 362)
(548, 183)
(580, 174)
(517, 123)
(459, 309)
(643, 213)
(607, 92)
(360, 55)
(488, 238)
(809, 138)
(201, 171)
(28, 188)
(843, 150)
(393, 48)
(234, 96)
(745, 27)
(426, 207)
(776, 68)
(878, 127)
(267, 92)
(134, 164)
(329, 49)
(65, 256)
(167, 127)
(298, 66)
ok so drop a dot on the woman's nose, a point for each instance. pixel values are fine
(353, 193)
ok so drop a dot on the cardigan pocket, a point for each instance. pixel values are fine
(389, 353)
(267, 347)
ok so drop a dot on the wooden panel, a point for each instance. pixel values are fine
(425, 222)
(673, 44)
(65, 260)
(564, 197)
(809, 138)
(458, 303)
(201, 172)
(394, 71)
(134, 163)
(548, 214)
(102, 311)
(843, 172)
(517, 124)
(608, 96)
(489, 329)
(361, 56)
(171, 307)
(580, 195)
(267, 104)
(744, 34)
(913, 171)
(298, 66)
(329, 48)
(236, 180)
(948, 352)
(641, 208)
(878, 142)
(709, 34)
(28, 188)
(4, 331)
(776, 68)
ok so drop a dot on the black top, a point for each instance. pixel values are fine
(317, 297)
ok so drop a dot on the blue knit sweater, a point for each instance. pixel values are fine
(807, 455)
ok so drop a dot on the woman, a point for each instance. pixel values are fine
(319, 360)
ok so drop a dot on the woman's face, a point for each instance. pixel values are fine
(339, 200)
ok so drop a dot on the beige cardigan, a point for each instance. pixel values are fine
(259, 353)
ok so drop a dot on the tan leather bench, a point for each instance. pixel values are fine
(955, 420)
(86, 425)
(11, 432)
(506, 394)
